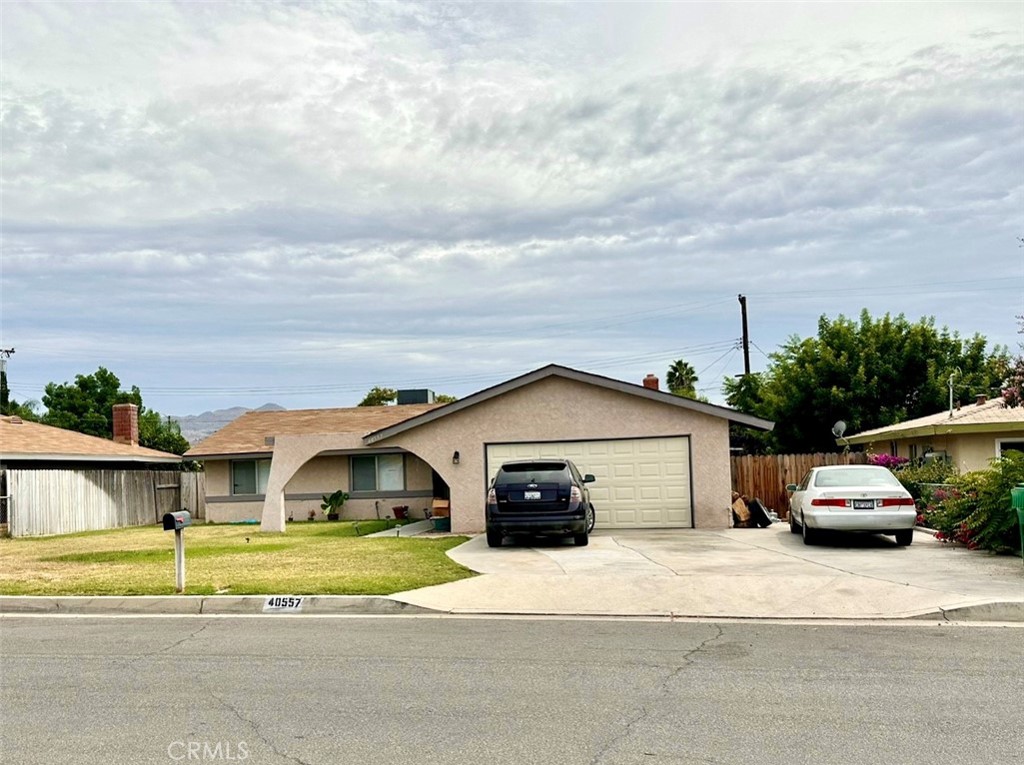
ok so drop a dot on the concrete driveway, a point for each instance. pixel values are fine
(753, 573)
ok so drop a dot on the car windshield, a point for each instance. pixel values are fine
(841, 477)
(531, 472)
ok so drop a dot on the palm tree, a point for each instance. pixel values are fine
(682, 379)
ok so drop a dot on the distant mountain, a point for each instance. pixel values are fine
(196, 427)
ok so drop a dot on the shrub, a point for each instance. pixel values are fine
(915, 477)
(976, 509)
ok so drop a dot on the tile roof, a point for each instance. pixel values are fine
(249, 433)
(990, 416)
(20, 439)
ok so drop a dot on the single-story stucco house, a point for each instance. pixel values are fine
(661, 461)
(969, 436)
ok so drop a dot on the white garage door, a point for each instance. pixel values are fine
(641, 482)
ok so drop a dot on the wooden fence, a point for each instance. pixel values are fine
(42, 502)
(766, 476)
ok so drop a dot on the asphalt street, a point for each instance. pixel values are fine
(336, 690)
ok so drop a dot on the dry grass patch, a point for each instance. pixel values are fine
(309, 559)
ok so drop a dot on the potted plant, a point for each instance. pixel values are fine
(401, 512)
(333, 503)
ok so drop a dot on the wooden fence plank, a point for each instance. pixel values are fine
(765, 476)
(44, 502)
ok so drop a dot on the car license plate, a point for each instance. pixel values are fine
(531, 495)
(863, 504)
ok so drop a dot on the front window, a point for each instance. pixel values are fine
(378, 472)
(1008, 446)
(249, 476)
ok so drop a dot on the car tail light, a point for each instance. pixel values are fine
(830, 502)
(492, 497)
(897, 502)
(575, 495)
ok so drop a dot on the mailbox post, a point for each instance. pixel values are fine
(176, 522)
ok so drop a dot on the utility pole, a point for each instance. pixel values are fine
(746, 336)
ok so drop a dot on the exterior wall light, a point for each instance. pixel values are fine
(455, 457)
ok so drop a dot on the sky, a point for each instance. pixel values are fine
(233, 204)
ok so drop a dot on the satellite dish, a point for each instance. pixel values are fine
(838, 429)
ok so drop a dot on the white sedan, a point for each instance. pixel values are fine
(859, 498)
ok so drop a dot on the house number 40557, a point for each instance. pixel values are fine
(283, 603)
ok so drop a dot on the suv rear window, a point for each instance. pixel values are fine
(532, 472)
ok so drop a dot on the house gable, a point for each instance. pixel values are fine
(554, 370)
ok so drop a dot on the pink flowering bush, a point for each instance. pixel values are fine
(887, 461)
(975, 510)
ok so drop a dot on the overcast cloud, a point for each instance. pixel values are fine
(233, 204)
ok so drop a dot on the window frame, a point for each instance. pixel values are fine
(256, 462)
(376, 473)
(1015, 441)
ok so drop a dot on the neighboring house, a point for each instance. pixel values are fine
(26, 444)
(57, 481)
(969, 436)
(661, 461)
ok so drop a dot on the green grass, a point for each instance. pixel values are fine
(309, 559)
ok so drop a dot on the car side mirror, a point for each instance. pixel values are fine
(790, 487)
(589, 478)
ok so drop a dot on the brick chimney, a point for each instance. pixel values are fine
(126, 424)
(982, 398)
(652, 382)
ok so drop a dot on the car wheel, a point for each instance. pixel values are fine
(591, 518)
(810, 535)
(904, 537)
(794, 527)
(581, 540)
(494, 538)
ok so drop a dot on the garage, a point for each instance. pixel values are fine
(641, 482)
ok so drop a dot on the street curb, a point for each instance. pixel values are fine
(369, 605)
(1003, 611)
(380, 605)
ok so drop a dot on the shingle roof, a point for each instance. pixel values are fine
(991, 416)
(249, 433)
(20, 439)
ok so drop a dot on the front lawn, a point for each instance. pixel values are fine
(309, 559)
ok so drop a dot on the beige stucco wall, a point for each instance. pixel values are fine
(975, 451)
(968, 451)
(555, 408)
(320, 475)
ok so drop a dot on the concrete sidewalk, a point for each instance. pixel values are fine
(745, 573)
(735, 573)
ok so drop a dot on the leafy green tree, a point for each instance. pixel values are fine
(164, 434)
(444, 398)
(379, 396)
(87, 406)
(9, 407)
(1013, 392)
(870, 373)
(744, 395)
(681, 379)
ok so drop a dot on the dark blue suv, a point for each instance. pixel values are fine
(541, 496)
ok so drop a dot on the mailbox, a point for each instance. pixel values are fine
(177, 521)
